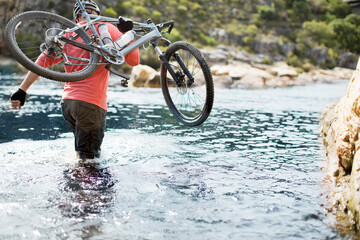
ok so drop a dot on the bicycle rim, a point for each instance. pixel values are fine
(30, 35)
(190, 101)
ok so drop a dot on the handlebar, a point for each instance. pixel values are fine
(169, 24)
(160, 26)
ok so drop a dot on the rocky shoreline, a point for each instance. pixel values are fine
(341, 137)
(227, 74)
(240, 74)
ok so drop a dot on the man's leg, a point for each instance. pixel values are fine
(88, 128)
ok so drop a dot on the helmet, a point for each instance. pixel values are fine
(88, 4)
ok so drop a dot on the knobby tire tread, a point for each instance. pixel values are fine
(9, 35)
(208, 78)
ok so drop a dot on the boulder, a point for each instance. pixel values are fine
(260, 73)
(283, 70)
(235, 70)
(239, 70)
(220, 69)
(222, 81)
(341, 131)
(347, 60)
(266, 44)
(283, 81)
(242, 56)
(343, 73)
(215, 56)
(254, 78)
(288, 48)
(323, 75)
(144, 76)
(304, 78)
(317, 54)
(250, 81)
(260, 57)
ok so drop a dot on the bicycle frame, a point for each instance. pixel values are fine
(154, 35)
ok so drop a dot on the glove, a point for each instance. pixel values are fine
(125, 24)
(19, 95)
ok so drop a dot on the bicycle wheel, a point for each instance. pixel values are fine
(31, 34)
(191, 100)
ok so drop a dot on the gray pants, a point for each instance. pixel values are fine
(87, 121)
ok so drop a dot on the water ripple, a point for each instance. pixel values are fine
(251, 171)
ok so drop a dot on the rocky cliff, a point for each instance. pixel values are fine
(341, 135)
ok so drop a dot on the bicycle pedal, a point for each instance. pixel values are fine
(124, 83)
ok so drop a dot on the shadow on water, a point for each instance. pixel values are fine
(90, 189)
(88, 193)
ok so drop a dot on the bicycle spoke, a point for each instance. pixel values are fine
(189, 100)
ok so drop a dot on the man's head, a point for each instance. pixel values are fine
(90, 6)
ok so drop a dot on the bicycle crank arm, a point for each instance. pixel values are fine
(124, 81)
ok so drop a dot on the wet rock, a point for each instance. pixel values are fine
(144, 76)
(341, 131)
(250, 81)
(222, 81)
(235, 70)
(283, 81)
(254, 78)
(283, 70)
(323, 75)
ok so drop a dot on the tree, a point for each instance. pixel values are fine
(316, 33)
(339, 8)
(347, 34)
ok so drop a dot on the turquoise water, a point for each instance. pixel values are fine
(253, 170)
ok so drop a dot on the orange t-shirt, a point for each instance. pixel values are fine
(92, 89)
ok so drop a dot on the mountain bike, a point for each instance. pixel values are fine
(185, 77)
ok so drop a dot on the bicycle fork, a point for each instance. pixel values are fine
(175, 75)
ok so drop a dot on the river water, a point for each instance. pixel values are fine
(253, 170)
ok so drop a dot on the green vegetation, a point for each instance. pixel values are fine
(309, 24)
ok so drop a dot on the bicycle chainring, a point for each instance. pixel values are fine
(114, 56)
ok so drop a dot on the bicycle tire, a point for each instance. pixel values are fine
(21, 56)
(203, 80)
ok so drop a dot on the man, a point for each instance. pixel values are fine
(83, 103)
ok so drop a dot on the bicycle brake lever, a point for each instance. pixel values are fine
(171, 27)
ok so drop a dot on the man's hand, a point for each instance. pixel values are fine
(18, 99)
(125, 24)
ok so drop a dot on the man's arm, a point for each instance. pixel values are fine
(18, 98)
(132, 59)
